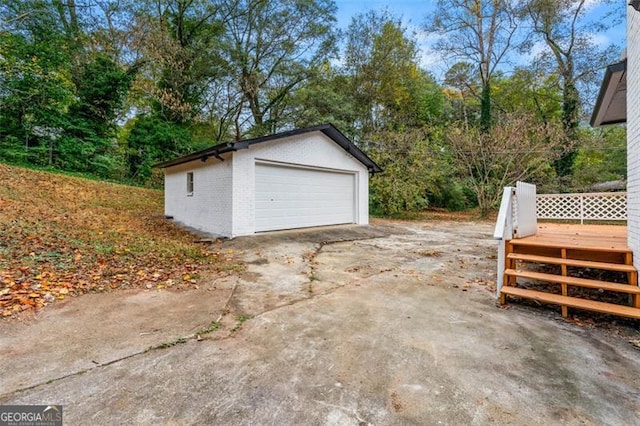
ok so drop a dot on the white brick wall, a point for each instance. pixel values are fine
(633, 132)
(223, 200)
(209, 208)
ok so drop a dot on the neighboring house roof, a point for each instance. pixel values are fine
(328, 129)
(611, 105)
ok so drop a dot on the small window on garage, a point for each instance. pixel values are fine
(189, 183)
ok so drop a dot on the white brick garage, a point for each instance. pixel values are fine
(302, 178)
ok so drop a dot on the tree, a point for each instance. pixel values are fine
(480, 33)
(270, 49)
(37, 87)
(516, 148)
(528, 91)
(602, 157)
(152, 139)
(179, 41)
(387, 84)
(88, 143)
(180, 59)
(572, 52)
(410, 170)
(64, 90)
(322, 99)
(461, 90)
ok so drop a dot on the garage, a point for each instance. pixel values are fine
(294, 197)
(299, 178)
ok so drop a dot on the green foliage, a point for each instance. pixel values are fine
(528, 91)
(390, 90)
(34, 99)
(180, 44)
(101, 92)
(323, 99)
(50, 116)
(414, 169)
(602, 157)
(152, 140)
(88, 143)
(460, 92)
(431, 107)
(450, 193)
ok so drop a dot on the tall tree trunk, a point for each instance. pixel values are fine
(570, 121)
(485, 107)
(570, 107)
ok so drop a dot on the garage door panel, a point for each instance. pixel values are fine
(291, 197)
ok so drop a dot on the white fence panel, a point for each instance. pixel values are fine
(588, 206)
(526, 213)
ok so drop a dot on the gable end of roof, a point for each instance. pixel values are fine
(328, 129)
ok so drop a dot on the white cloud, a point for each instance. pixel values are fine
(599, 39)
(536, 49)
(589, 4)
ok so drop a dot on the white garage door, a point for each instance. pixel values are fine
(293, 197)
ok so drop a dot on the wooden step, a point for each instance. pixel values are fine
(580, 282)
(572, 302)
(583, 244)
(592, 256)
(572, 262)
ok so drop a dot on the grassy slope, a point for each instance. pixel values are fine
(62, 236)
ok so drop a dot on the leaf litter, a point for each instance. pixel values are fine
(63, 236)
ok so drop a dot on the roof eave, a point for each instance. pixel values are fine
(214, 151)
(332, 132)
(610, 105)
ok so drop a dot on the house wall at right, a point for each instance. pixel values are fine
(633, 132)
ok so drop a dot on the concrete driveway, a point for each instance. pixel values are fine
(394, 323)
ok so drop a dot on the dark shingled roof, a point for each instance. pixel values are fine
(328, 129)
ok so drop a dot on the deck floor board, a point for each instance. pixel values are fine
(598, 237)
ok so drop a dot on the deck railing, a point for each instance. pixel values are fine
(503, 231)
(588, 206)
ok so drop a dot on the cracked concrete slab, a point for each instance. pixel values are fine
(81, 333)
(399, 327)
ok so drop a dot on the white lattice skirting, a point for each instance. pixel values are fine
(590, 206)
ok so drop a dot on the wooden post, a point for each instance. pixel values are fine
(506, 279)
(563, 286)
(509, 264)
(633, 280)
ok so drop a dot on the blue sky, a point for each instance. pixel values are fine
(415, 12)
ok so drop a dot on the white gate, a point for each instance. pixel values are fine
(527, 222)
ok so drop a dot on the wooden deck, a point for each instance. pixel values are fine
(581, 248)
(586, 237)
